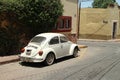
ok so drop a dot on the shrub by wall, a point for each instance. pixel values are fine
(9, 42)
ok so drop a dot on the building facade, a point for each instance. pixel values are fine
(67, 23)
(70, 9)
(96, 23)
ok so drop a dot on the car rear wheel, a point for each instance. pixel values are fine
(49, 59)
(75, 52)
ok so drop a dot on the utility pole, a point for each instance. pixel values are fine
(79, 12)
(78, 28)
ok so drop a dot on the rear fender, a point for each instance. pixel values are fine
(47, 51)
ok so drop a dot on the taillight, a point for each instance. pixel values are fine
(40, 53)
(22, 50)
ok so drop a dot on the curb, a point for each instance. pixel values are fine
(92, 40)
(82, 46)
(8, 59)
(97, 40)
(114, 40)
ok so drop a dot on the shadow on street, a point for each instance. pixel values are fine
(40, 65)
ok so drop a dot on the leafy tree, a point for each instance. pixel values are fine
(34, 16)
(102, 3)
(38, 15)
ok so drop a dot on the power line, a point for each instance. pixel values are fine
(85, 0)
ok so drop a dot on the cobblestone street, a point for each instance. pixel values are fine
(100, 61)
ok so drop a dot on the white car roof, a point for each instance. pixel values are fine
(49, 35)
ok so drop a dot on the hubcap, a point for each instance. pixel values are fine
(50, 58)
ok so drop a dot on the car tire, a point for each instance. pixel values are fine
(49, 59)
(75, 53)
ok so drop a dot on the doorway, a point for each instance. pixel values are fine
(114, 31)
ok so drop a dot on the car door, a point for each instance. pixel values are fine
(65, 45)
(56, 46)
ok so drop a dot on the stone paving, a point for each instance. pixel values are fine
(13, 58)
(8, 59)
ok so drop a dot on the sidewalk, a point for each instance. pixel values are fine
(115, 40)
(14, 58)
(8, 59)
(97, 40)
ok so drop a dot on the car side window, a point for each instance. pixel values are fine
(63, 39)
(54, 40)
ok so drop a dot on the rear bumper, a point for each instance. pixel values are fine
(28, 59)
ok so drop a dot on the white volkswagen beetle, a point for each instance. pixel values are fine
(47, 47)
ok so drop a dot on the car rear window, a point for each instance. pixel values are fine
(39, 39)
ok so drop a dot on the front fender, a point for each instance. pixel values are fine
(73, 46)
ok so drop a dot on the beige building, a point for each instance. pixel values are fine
(67, 23)
(70, 9)
(98, 23)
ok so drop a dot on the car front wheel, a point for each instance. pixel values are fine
(75, 52)
(49, 59)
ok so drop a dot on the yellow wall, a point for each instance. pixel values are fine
(97, 23)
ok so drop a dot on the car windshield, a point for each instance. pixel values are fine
(39, 39)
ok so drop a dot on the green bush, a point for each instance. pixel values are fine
(39, 15)
(102, 3)
(34, 16)
(9, 44)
